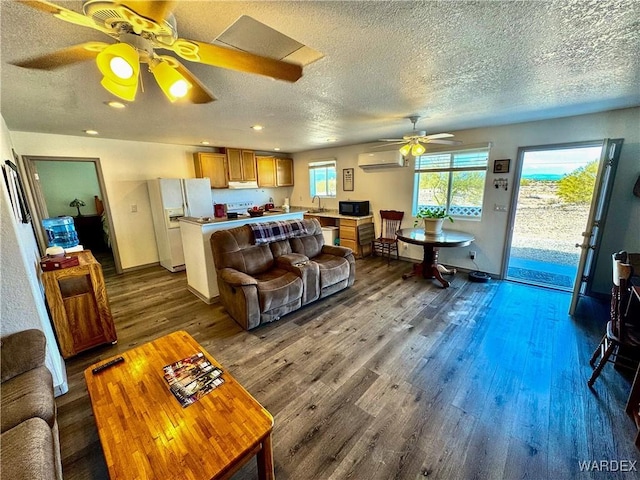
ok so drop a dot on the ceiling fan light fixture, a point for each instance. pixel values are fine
(120, 63)
(125, 92)
(417, 149)
(405, 149)
(172, 83)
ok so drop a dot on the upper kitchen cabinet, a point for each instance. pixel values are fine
(275, 172)
(284, 172)
(266, 171)
(241, 165)
(212, 165)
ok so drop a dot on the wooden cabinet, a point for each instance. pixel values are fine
(212, 165)
(348, 232)
(349, 235)
(284, 172)
(79, 306)
(241, 165)
(266, 171)
(275, 172)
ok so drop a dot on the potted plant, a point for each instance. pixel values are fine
(77, 203)
(433, 218)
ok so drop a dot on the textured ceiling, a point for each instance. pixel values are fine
(457, 64)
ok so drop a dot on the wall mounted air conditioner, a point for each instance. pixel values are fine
(382, 159)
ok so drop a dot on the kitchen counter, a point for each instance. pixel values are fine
(271, 215)
(196, 232)
(333, 214)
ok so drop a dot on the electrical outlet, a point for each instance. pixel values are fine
(472, 254)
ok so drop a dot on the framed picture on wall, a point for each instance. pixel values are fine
(16, 191)
(501, 166)
(347, 179)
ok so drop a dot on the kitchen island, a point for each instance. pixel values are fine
(196, 232)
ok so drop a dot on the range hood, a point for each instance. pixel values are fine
(247, 184)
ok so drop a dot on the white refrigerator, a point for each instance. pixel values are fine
(172, 198)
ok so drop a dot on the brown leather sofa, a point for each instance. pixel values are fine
(260, 283)
(30, 443)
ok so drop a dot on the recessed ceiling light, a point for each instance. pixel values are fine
(114, 104)
(257, 127)
(204, 142)
(91, 132)
(277, 149)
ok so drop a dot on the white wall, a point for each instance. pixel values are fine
(126, 167)
(393, 188)
(21, 296)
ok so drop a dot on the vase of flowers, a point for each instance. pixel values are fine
(433, 218)
(77, 203)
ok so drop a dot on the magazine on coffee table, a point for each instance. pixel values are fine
(191, 378)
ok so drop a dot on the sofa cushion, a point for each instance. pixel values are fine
(27, 451)
(26, 396)
(20, 352)
(235, 248)
(277, 287)
(332, 269)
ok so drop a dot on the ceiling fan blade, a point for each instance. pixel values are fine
(391, 140)
(439, 135)
(445, 142)
(66, 56)
(64, 14)
(236, 60)
(198, 93)
(156, 10)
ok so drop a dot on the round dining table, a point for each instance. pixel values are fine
(431, 244)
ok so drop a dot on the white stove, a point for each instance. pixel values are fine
(240, 208)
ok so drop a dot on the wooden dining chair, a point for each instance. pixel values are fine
(621, 341)
(387, 242)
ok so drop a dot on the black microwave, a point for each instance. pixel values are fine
(353, 208)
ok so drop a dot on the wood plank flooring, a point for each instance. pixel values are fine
(392, 379)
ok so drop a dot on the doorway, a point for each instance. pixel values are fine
(74, 187)
(555, 188)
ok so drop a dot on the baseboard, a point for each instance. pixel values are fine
(208, 301)
(140, 267)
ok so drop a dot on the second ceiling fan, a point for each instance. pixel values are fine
(414, 142)
(141, 27)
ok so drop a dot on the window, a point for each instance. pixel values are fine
(322, 178)
(453, 180)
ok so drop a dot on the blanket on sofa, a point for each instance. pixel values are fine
(267, 232)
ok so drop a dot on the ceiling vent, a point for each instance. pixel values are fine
(384, 159)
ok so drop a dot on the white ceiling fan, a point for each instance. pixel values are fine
(414, 142)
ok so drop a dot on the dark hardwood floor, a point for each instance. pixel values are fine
(392, 379)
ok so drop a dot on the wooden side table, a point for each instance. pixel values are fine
(79, 306)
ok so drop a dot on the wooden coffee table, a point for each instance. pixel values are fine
(146, 433)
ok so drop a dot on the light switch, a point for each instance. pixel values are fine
(134, 208)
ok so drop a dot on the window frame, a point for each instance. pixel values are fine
(328, 165)
(451, 169)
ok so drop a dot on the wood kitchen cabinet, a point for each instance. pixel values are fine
(284, 172)
(241, 165)
(275, 172)
(212, 165)
(266, 171)
(349, 236)
(79, 306)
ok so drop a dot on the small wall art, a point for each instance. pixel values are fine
(347, 179)
(501, 166)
